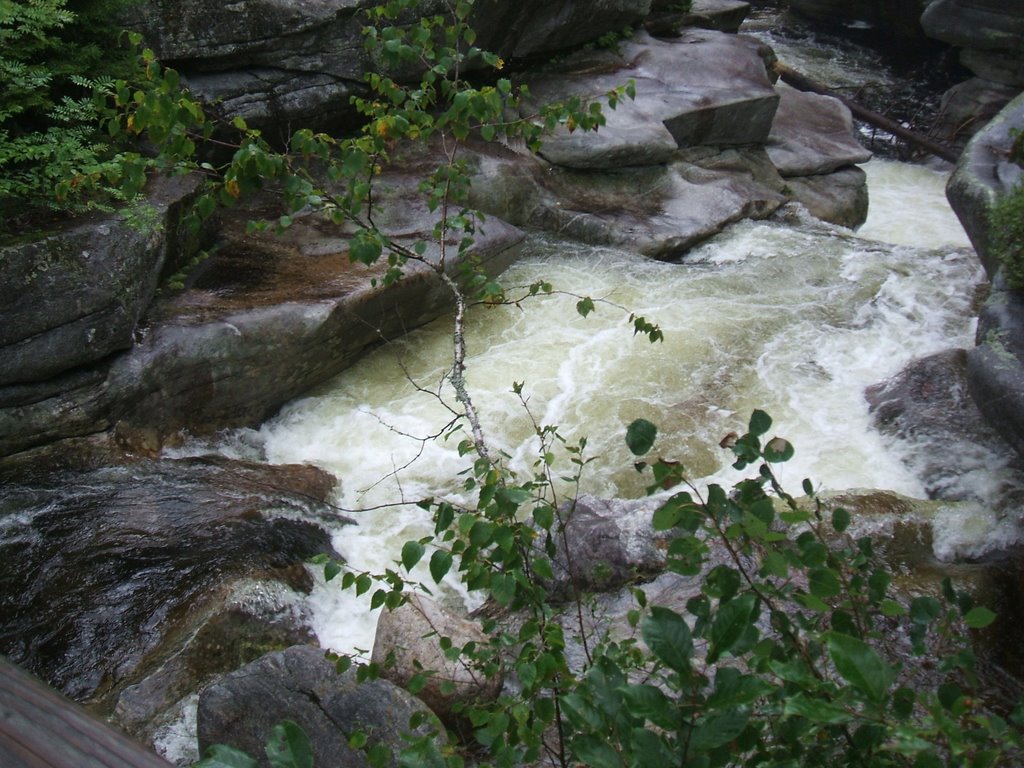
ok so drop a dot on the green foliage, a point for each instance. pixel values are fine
(793, 652)
(287, 747)
(785, 656)
(60, 61)
(1006, 222)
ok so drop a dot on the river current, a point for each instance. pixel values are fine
(793, 317)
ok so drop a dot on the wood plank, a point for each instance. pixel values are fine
(40, 728)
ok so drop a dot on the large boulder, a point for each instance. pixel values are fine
(990, 34)
(658, 210)
(602, 545)
(266, 318)
(105, 572)
(408, 643)
(300, 684)
(928, 405)
(95, 280)
(704, 87)
(995, 367)
(983, 173)
(812, 135)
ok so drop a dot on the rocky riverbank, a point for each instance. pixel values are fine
(105, 365)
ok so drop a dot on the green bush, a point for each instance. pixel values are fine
(58, 61)
(1006, 224)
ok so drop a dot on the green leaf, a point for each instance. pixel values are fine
(840, 519)
(581, 712)
(332, 569)
(289, 747)
(595, 752)
(778, 450)
(649, 749)
(440, 564)
(816, 709)
(824, 583)
(760, 423)
(668, 636)
(717, 729)
(730, 624)
(860, 666)
(412, 553)
(585, 306)
(733, 688)
(640, 436)
(223, 756)
(650, 703)
(979, 617)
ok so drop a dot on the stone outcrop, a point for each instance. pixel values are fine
(929, 404)
(301, 685)
(666, 20)
(990, 37)
(271, 317)
(105, 572)
(604, 545)
(410, 636)
(683, 160)
(287, 63)
(95, 280)
(989, 34)
(995, 366)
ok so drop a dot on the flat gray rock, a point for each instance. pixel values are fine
(812, 134)
(703, 88)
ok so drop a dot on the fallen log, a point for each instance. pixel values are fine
(803, 83)
(40, 728)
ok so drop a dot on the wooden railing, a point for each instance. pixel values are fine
(40, 728)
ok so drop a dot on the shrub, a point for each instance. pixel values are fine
(58, 61)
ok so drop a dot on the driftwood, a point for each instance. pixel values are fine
(40, 728)
(803, 83)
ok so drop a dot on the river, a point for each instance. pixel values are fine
(790, 316)
(796, 318)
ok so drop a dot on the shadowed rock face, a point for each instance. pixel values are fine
(990, 34)
(299, 684)
(281, 63)
(105, 274)
(102, 572)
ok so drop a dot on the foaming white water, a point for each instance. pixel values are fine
(797, 321)
(908, 206)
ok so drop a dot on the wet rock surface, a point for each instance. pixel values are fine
(102, 572)
(996, 364)
(957, 455)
